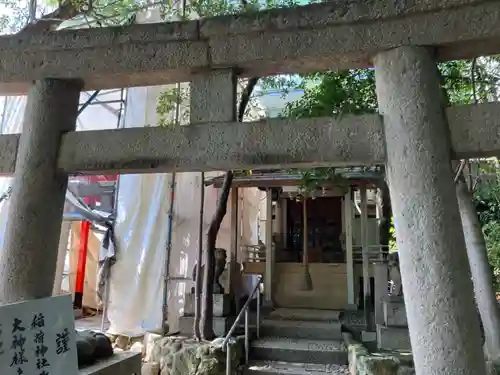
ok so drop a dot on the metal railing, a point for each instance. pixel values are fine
(376, 253)
(254, 253)
(244, 310)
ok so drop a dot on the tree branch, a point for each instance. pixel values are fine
(245, 97)
(51, 21)
(206, 328)
(473, 78)
(65, 11)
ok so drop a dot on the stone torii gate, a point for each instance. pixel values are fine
(413, 134)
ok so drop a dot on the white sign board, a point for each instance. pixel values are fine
(37, 337)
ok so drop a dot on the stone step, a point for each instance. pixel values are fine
(299, 350)
(304, 315)
(293, 368)
(296, 329)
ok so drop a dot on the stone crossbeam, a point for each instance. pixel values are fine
(333, 35)
(346, 141)
(352, 140)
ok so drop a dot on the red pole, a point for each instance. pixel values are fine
(82, 262)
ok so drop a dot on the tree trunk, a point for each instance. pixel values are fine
(207, 329)
(306, 276)
(198, 280)
(480, 270)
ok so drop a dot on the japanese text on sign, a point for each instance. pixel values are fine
(38, 338)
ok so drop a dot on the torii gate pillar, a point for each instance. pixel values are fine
(443, 322)
(29, 255)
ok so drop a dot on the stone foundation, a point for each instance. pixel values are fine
(362, 362)
(183, 356)
(124, 363)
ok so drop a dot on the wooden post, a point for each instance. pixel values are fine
(268, 277)
(378, 213)
(364, 246)
(233, 253)
(284, 221)
(351, 301)
(305, 259)
(235, 224)
(306, 281)
(380, 271)
(82, 263)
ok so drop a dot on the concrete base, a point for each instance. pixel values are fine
(124, 363)
(368, 336)
(222, 325)
(393, 338)
(394, 312)
(222, 305)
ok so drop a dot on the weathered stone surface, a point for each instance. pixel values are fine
(354, 43)
(352, 140)
(472, 141)
(375, 365)
(434, 263)
(9, 144)
(356, 352)
(31, 235)
(349, 140)
(102, 37)
(152, 368)
(182, 356)
(123, 342)
(310, 38)
(213, 97)
(361, 362)
(222, 305)
(320, 15)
